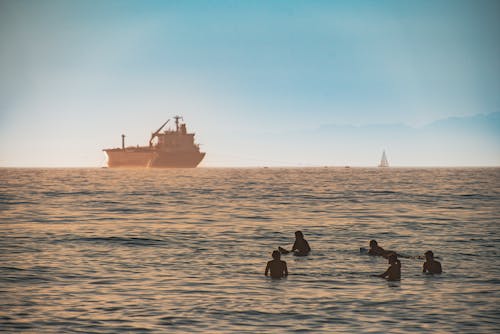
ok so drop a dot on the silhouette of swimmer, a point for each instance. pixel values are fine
(393, 273)
(376, 250)
(300, 246)
(277, 267)
(430, 265)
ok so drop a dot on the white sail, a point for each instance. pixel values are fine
(383, 161)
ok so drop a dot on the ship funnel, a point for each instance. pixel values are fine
(123, 142)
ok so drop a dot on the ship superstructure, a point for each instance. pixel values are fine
(173, 148)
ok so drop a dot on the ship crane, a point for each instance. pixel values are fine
(154, 134)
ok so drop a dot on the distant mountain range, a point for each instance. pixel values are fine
(455, 141)
(458, 141)
(480, 122)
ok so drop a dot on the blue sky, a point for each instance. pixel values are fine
(75, 75)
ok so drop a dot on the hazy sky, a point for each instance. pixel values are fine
(246, 75)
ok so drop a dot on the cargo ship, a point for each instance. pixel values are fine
(173, 148)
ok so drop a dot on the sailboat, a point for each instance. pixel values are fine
(383, 161)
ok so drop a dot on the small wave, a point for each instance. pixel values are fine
(24, 278)
(132, 241)
(72, 193)
(177, 321)
(11, 269)
(12, 250)
(104, 282)
(127, 210)
(257, 217)
(379, 192)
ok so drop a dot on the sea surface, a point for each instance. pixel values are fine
(164, 251)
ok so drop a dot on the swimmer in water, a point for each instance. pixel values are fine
(393, 273)
(430, 265)
(300, 246)
(376, 250)
(277, 267)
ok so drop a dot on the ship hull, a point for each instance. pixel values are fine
(148, 158)
(177, 160)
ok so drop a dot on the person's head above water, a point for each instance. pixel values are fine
(393, 258)
(373, 243)
(276, 255)
(429, 255)
(299, 235)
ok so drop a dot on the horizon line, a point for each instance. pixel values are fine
(254, 166)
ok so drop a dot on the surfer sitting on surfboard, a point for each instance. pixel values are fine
(430, 265)
(393, 273)
(277, 267)
(300, 247)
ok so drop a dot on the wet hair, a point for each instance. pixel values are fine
(373, 242)
(276, 255)
(299, 234)
(429, 253)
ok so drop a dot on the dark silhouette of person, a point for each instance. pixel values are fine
(393, 273)
(277, 267)
(376, 250)
(300, 246)
(430, 265)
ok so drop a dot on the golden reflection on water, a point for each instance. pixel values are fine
(185, 250)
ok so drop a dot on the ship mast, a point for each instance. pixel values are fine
(177, 122)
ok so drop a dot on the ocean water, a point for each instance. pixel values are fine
(157, 251)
